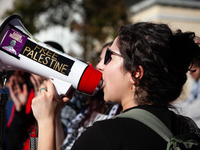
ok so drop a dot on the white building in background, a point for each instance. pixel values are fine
(183, 14)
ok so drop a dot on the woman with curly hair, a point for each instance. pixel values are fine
(145, 68)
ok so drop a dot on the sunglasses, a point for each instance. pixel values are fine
(108, 58)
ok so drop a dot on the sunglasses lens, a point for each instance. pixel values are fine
(107, 57)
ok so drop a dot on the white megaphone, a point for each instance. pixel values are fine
(19, 50)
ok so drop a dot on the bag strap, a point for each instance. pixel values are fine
(150, 120)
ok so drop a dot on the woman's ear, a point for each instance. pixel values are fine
(138, 74)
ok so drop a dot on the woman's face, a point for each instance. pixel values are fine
(117, 84)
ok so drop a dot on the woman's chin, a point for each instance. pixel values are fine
(110, 102)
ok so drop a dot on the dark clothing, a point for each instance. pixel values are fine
(127, 133)
(20, 127)
(18, 131)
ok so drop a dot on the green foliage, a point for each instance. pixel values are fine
(99, 14)
(109, 14)
(100, 18)
(30, 10)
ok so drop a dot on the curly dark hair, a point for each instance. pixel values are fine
(165, 57)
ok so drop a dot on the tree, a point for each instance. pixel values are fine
(55, 12)
(100, 20)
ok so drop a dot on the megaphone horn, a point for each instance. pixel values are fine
(19, 50)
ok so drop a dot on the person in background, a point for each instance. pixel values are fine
(145, 68)
(21, 120)
(195, 74)
(190, 106)
(10, 108)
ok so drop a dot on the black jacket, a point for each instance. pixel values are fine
(127, 133)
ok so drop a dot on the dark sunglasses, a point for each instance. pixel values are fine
(108, 54)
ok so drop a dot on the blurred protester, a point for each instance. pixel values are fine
(21, 119)
(190, 107)
(6, 106)
(195, 90)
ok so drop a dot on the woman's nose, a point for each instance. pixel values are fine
(100, 66)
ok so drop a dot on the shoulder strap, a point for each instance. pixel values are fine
(150, 120)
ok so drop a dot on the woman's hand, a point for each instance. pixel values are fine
(45, 105)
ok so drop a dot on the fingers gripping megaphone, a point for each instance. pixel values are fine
(19, 50)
